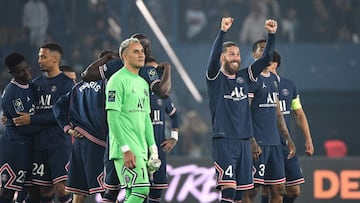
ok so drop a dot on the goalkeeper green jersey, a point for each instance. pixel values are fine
(127, 97)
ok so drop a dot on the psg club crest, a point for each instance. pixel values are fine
(240, 80)
(285, 92)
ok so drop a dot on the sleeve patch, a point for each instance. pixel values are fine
(152, 74)
(18, 105)
(111, 96)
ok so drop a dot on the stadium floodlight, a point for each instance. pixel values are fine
(169, 51)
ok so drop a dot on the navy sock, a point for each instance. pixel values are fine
(227, 195)
(4, 200)
(288, 199)
(47, 199)
(65, 199)
(238, 196)
(264, 199)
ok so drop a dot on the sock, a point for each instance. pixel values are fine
(227, 195)
(110, 196)
(264, 199)
(288, 199)
(29, 200)
(65, 199)
(47, 199)
(238, 196)
(21, 196)
(4, 200)
(155, 195)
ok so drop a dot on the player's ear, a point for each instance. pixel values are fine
(222, 57)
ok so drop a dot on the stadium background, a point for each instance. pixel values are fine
(318, 40)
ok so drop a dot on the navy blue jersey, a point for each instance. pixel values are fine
(263, 109)
(287, 93)
(149, 73)
(160, 107)
(18, 98)
(46, 92)
(228, 99)
(83, 109)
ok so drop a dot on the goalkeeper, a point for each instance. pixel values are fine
(130, 129)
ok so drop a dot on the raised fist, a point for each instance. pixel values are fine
(226, 23)
(271, 25)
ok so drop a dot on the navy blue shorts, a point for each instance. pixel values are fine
(270, 169)
(50, 166)
(15, 161)
(86, 168)
(293, 172)
(233, 162)
(111, 181)
(159, 180)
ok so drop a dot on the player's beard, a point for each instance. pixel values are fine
(230, 68)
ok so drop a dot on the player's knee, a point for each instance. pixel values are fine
(277, 190)
(265, 191)
(140, 191)
(252, 192)
(293, 191)
(59, 189)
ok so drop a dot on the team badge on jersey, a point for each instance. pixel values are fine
(18, 105)
(240, 80)
(285, 92)
(111, 96)
(152, 74)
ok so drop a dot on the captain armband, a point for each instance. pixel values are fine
(296, 104)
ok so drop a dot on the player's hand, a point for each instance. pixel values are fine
(292, 149)
(309, 148)
(168, 144)
(226, 23)
(153, 164)
(3, 120)
(255, 150)
(271, 26)
(23, 119)
(129, 160)
(164, 65)
(76, 134)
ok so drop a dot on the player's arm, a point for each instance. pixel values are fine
(302, 122)
(93, 72)
(262, 63)
(113, 109)
(113, 117)
(163, 88)
(284, 131)
(46, 118)
(169, 143)
(61, 112)
(214, 60)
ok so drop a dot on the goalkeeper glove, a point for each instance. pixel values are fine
(154, 162)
